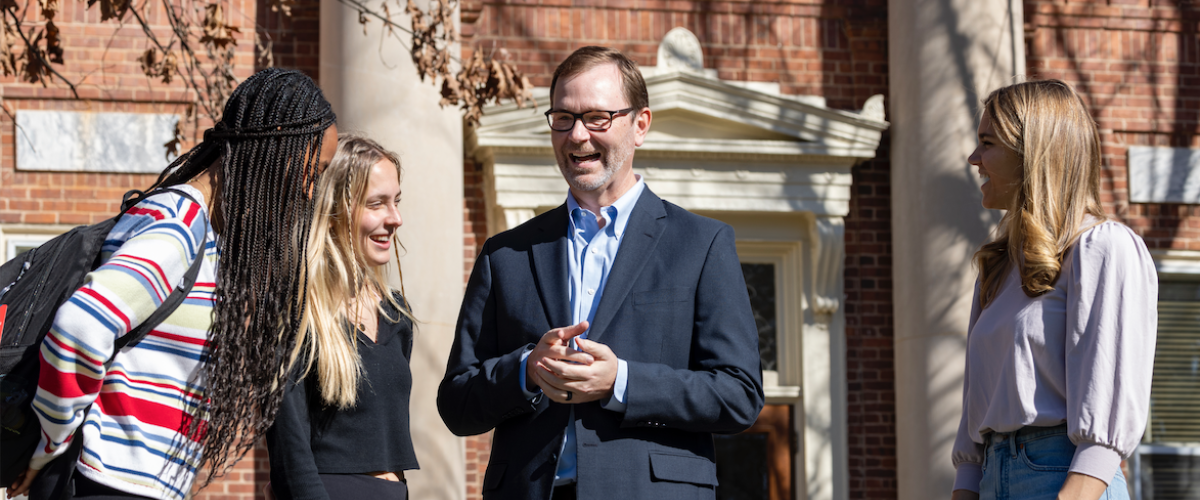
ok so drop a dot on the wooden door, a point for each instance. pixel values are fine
(757, 464)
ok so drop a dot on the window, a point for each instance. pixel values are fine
(1167, 464)
(760, 285)
(773, 281)
(17, 239)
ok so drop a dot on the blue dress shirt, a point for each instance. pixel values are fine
(592, 251)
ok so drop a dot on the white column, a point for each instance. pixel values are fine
(945, 56)
(824, 382)
(374, 89)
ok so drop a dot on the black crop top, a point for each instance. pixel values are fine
(309, 438)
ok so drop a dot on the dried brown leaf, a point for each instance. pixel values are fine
(8, 57)
(33, 70)
(112, 9)
(217, 33)
(168, 67)
(450, 91)
(149, 62)
(387, 14)
(54, 50)
(419, 27)
(173, 146)
(49, 8)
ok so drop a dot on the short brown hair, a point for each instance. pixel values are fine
(589, 57)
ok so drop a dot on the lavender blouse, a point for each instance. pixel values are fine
(1082, 354)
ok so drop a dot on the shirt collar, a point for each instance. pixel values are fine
(624, 205)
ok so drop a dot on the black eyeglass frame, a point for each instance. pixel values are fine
(578, 117)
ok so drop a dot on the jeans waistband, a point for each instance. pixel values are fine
(1025, 434)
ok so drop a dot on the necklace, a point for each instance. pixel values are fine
(360, 316)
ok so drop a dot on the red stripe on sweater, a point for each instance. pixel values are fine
(157, 214)
(107, 305)
(64, 384)
(193, 209)
(149, 279)
(179, 338)
(118, 404)
(163, 283)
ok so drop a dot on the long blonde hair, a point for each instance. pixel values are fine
(339, 276)
(1048, 126)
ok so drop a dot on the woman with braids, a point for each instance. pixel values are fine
(1063, 323)
(197, 390)
(342, 431)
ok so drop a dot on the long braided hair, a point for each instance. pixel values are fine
(268, 145)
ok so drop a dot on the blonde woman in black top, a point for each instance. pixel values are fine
(343, 431)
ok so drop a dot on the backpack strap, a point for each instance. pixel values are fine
(180, 292)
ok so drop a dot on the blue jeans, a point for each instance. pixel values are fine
(1032, 464)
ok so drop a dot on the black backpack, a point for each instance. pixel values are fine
(32, 287)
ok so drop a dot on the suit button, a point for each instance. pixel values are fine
(554, 457)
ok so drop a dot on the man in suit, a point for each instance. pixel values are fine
(605, 340)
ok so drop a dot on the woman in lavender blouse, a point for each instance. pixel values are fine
(1061, 342)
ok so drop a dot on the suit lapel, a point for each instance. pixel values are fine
(645, 226)
(549, 255)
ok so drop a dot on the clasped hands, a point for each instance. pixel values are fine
(567, 375)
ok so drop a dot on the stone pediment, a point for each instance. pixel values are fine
(697, 114)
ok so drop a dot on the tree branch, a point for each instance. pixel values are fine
(32, 49)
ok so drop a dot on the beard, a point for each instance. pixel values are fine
(611, 161)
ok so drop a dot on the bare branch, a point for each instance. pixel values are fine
(200, 51)
(363, 9)
(32, 51)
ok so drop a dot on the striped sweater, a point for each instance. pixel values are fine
(131, 438)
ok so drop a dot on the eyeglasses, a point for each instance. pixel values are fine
(596, 121)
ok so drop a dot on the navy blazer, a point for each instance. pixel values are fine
(674, 308)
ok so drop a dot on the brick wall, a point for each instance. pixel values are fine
(1137, 64)
(837, 50)
(244, 481)
(103, 58)
(870, 371)
(811, 47)
(289, 41)
(478, 448)
(474, 215)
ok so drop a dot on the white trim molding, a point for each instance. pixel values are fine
(14, 238)
(1176, 262)
(713, 145)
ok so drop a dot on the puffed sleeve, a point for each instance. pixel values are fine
(1111, 329)
(967, 455)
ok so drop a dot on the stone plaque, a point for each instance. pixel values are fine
(74, 141)
(1164, 175)
(680, 51)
